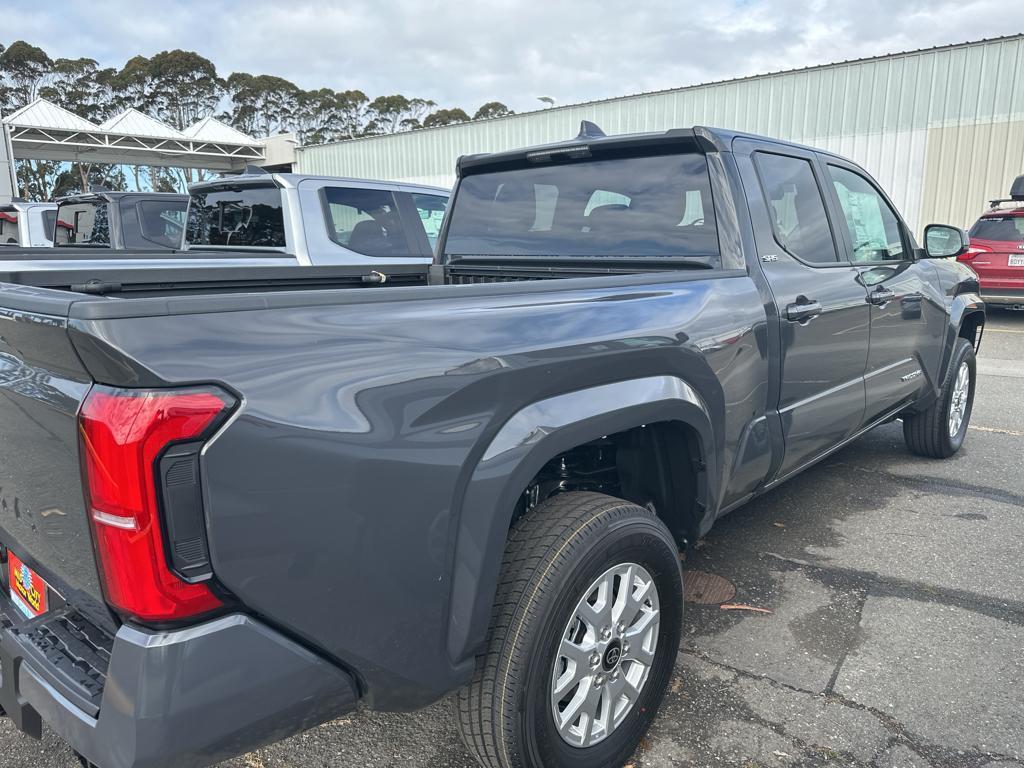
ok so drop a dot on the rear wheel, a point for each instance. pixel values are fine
(584, 636)
(939, 431)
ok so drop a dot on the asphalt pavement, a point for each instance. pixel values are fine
(894, 637)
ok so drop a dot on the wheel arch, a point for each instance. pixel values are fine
(532, 437)
(966, 320)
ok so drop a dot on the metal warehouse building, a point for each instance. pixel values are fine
(942, 129)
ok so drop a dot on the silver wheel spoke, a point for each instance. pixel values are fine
(642, 655)
(605, 655)
(959, 399)
(642, 624)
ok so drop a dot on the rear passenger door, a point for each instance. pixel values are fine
(907, 310)
(821, 303)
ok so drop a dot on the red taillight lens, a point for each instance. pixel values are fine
(972, 251)
(123, 432)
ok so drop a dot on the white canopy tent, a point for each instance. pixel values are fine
(44, 131)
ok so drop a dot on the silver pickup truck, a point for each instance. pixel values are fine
(263, 219)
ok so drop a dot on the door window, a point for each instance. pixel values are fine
(875, 231)
(161, 223)
(365, 221)
(431, 211)
(797, 208)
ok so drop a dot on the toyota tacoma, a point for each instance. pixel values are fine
(232, 508)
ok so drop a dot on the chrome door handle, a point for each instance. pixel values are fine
(803, 310)
(881, 296)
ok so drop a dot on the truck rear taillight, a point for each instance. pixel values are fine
(124, 433)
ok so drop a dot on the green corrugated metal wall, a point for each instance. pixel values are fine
(940, 128)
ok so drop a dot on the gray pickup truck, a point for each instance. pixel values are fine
(256, 219)
(232, 507)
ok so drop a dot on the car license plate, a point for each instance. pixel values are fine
(1016, 260)
(28, 590)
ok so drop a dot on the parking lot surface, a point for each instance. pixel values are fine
(895, 631)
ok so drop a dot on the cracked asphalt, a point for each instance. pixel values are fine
(896, 638)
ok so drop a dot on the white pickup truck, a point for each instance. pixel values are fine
(31, 225)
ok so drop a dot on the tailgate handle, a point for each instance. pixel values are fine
(182, 501)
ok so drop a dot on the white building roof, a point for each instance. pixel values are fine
(131, 121)
(213, 130)
(45, 131)
(44, 114)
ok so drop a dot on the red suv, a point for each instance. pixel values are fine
(996, 252)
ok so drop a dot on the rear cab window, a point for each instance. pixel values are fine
(244, 216)
(615, 205)
(88, 222)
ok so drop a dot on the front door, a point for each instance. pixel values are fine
(907, 315)
(822, 305)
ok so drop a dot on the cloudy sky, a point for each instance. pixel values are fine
(466, 53)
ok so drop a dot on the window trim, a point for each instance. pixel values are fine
(413, 247)
(825, 202)
(909, 246)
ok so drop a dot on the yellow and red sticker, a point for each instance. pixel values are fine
(28, 590)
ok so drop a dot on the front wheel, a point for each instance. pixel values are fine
(939, 431)
(584, 636)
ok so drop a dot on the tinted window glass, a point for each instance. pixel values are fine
(60, 231)
(874, 227)
(161, 222)
(1009, 229)
(365, 221)
(242, 216)
(90, 223)
(8, 228)
(796, 207)
(629, 206)
(431, 211)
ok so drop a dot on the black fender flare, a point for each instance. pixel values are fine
(525, 443)
(963, 306)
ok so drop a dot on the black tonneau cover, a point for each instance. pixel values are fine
(113, 281)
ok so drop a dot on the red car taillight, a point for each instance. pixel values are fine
(123, 434)
(972, 251)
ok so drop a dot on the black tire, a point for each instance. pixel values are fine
(554, 554)
(927, 433)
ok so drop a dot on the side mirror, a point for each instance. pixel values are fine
(942, 241)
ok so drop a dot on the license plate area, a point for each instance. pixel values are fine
(27, 589)
(1016, 260)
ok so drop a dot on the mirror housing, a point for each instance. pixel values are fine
(942, 241)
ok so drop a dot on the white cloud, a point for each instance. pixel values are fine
(463, 54)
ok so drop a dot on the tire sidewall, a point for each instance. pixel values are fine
(639, 540)
(964, 354)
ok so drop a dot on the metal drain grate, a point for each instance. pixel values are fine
(705, 588)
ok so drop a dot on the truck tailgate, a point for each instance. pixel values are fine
(43, 518)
